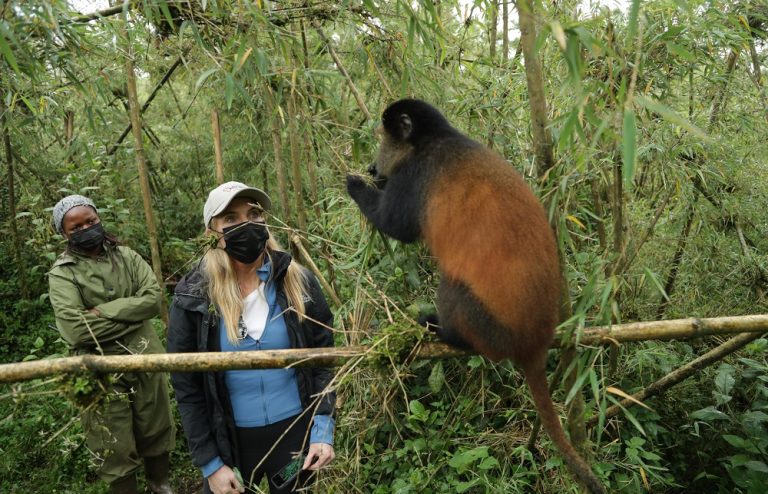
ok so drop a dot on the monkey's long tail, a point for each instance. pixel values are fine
(536, 377)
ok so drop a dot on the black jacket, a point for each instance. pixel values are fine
(202, 397)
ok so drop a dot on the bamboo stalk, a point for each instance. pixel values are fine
(273, 110)
(295, 149)
(326, 357)
(505, 30)
(679, 375)
(103, 13)
(542, 136)
(217, 146)
(493, 21)
(69, 126)
(146, 194)
(17, 252)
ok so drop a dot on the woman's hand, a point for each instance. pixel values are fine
(320, 455)
(224, 481)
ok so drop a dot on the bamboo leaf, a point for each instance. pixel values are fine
(629, 397)
(261, 61)
(680, 51)
(629, 148)
(436, 378)
(558, 33)
(165, 11)
(657, 283)
(229, 90)
(575, 220)
(670, 115)
(629, 415)
(204, 76)
(5, 48)
(242, 59)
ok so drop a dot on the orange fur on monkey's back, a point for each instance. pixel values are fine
(489, 231)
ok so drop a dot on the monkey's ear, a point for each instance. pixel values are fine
(405, 127)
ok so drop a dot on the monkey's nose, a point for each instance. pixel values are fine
(372, 169)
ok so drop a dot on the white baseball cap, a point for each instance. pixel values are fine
(220, 197)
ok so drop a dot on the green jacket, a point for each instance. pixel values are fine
(122, 286)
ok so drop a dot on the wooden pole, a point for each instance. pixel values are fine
(217, 146)
(327, 357)
(146, 194)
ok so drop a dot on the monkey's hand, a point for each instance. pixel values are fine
(355, 183)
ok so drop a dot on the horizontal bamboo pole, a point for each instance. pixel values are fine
(675, 329)
(329, 357)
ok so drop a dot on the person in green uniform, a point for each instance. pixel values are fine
(103, 296)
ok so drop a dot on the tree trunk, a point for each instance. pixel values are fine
(141, 162)
(22, 269)
(217, 146)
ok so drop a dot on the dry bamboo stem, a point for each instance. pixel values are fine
(314, 357)
(296, 241)
(216, 128)
(681, 374)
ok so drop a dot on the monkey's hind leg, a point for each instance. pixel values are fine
(452, 302)
(446, 334)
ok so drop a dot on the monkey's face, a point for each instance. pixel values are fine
(392, 153)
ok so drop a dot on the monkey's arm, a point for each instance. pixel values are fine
(389, 215)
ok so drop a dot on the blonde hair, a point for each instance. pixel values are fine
(224, 292)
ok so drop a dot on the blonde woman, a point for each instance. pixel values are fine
(247, 294)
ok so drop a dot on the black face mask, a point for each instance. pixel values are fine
(246, 241)
(88, 239)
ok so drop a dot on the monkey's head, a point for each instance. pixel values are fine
(406, 125)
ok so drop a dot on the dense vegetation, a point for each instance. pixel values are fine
(657, 116)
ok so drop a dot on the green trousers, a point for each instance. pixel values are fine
(132, 423)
